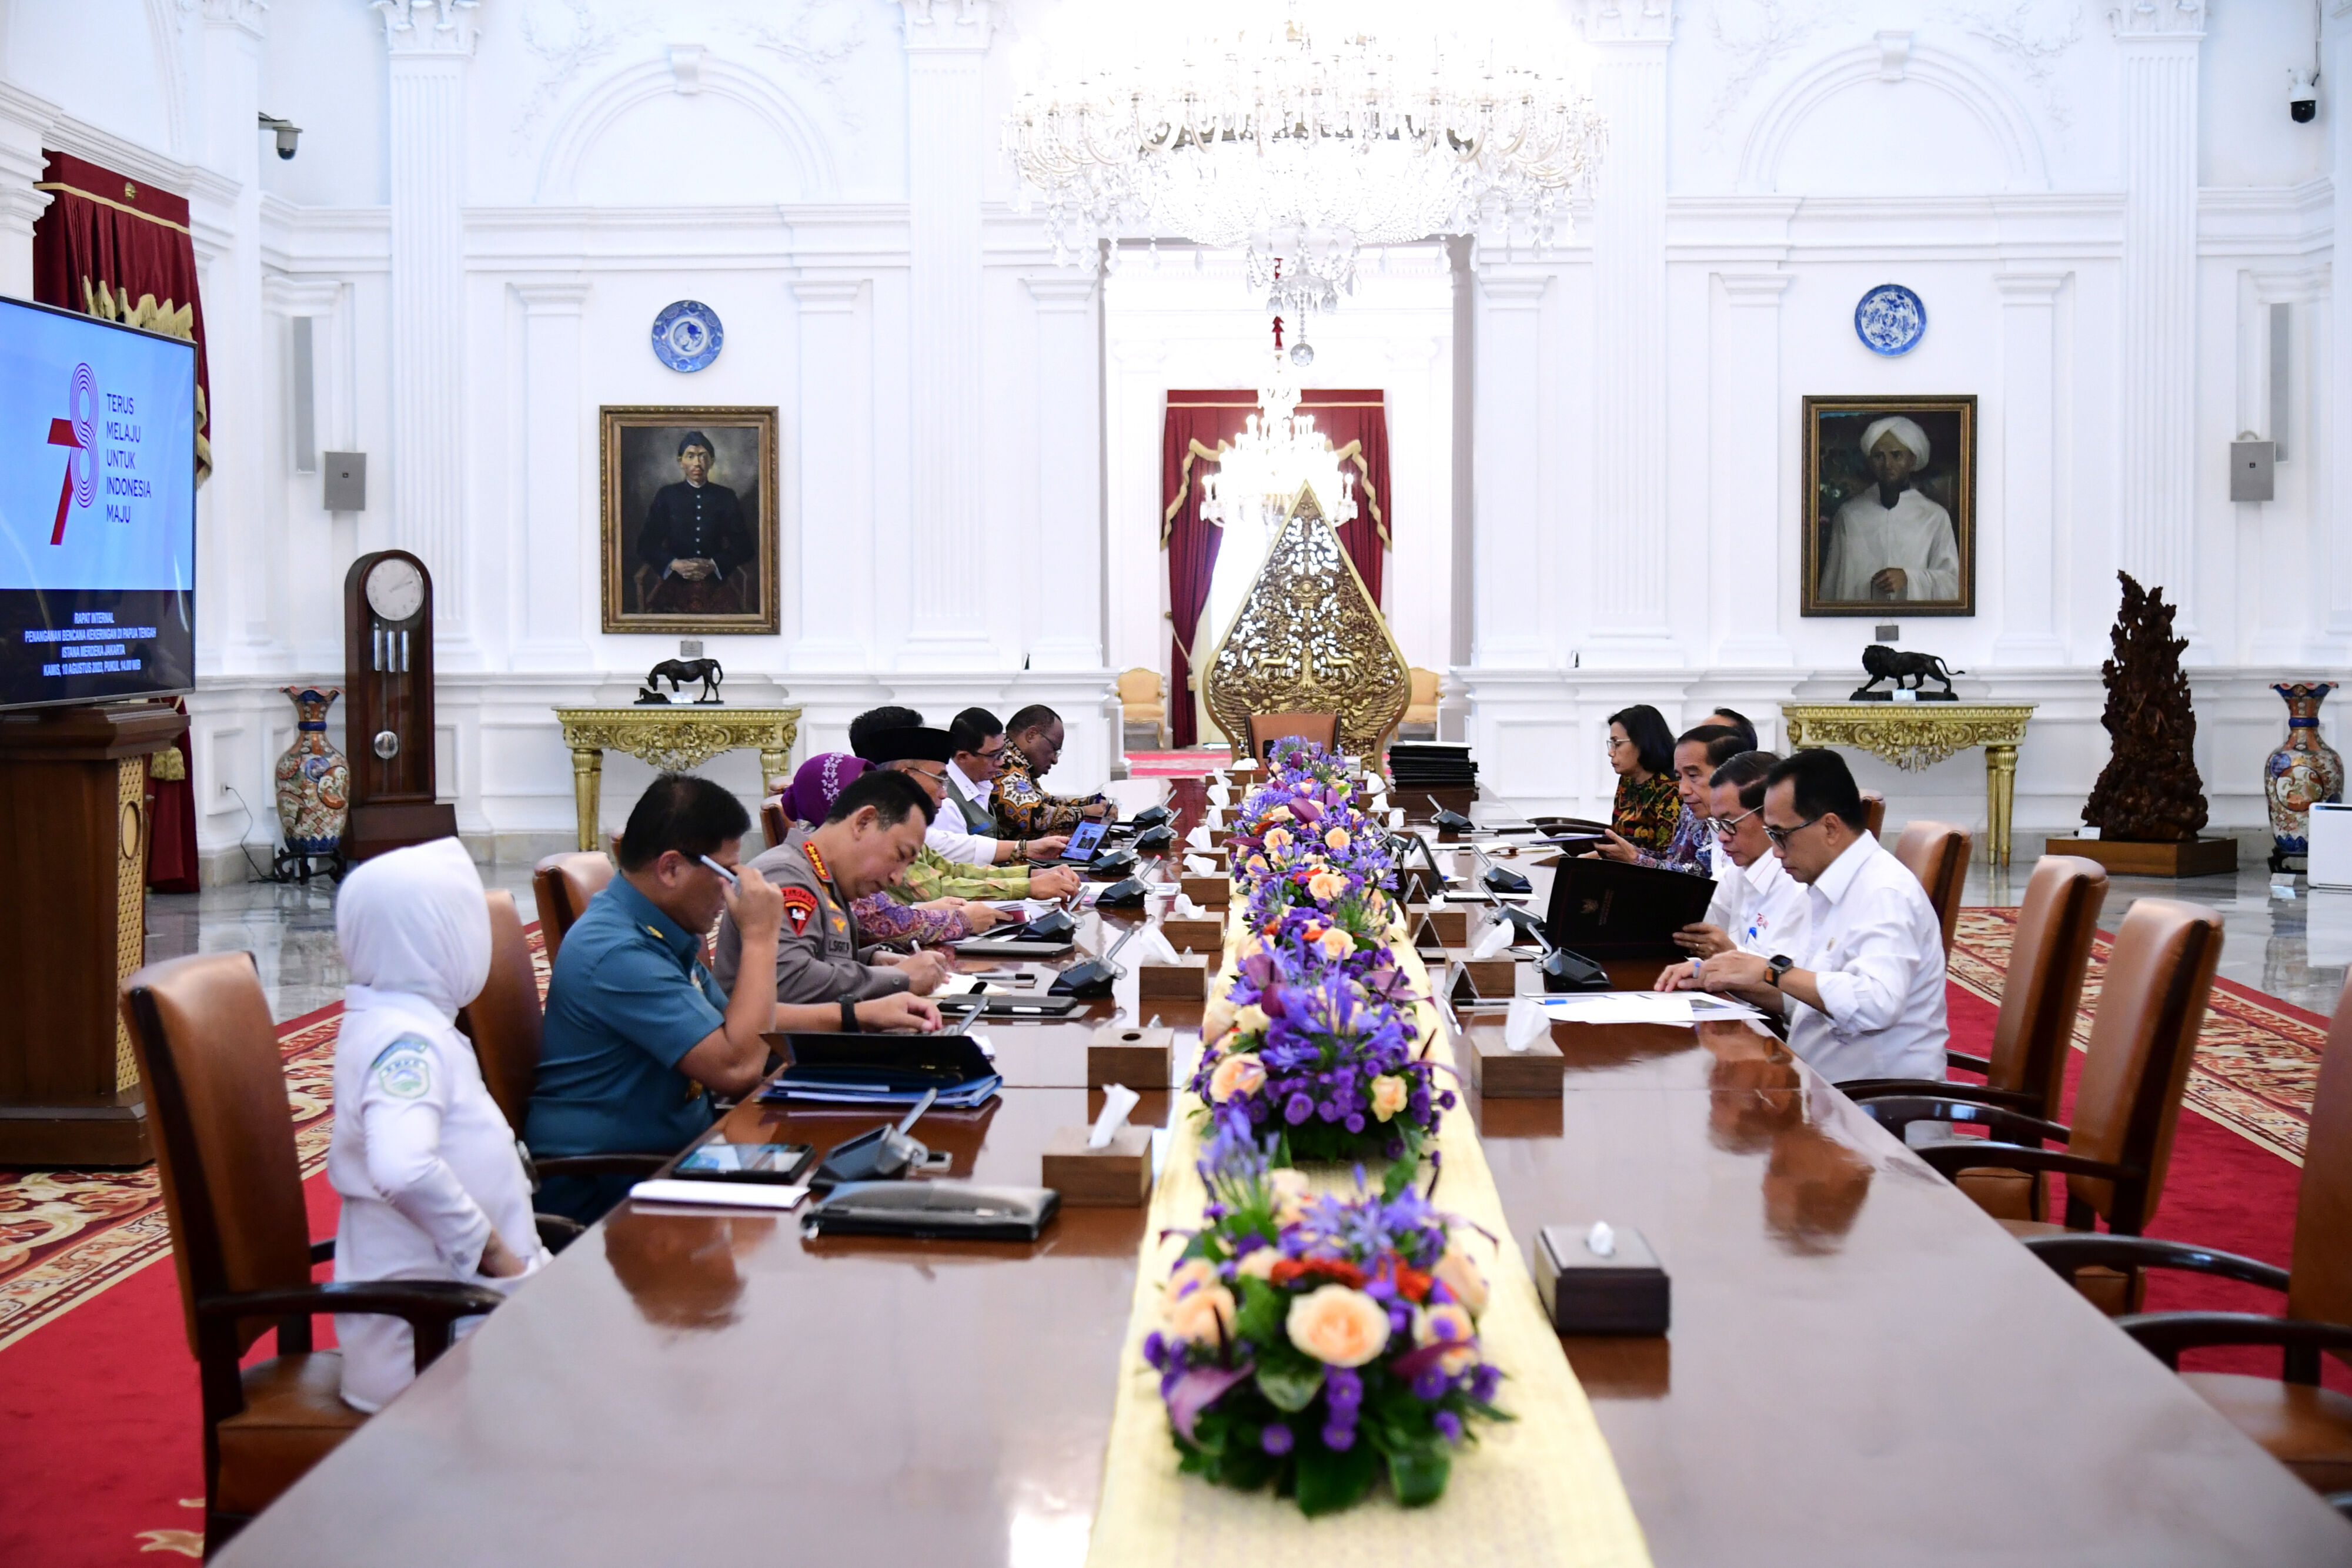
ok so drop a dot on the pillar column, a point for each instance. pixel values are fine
(2156, 532)
(949, 139)
(1509, 544)
(1069, 476)
(835, 474)
(547, 601)
(2026, 525)
(432, 45)
(23, 120)
(1628, 533)
(1749, 537)
(2332, 503)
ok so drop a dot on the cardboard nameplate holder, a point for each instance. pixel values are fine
(1625, 1292)
(1137, 1057)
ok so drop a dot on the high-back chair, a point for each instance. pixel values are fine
(506, 1023)
(1874, 811)
(1421, 705)
(2159, 976)
(1266, 728)
(2305, 1427)
(774, 822)
(1142, 700)
(562, 885)
(215, 1086)
(2041, 997)
(1937, 854)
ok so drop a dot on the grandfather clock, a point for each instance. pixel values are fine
(388, 705)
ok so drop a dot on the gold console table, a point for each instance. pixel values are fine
(673, 738)
(1916, 735)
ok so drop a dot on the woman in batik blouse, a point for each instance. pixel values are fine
(1642, 750)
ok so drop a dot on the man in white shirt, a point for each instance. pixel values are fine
(1758, 907)
(1864, 993)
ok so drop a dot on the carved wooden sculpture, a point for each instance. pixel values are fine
(2149, 792)
(1309, 639)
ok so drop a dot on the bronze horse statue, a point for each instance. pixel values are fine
(681, 673)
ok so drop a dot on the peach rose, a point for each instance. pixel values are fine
(1216, 1017)
(1240, 1073)
(1338, 1326)
(1462, 1277)
(1280, 814)
(1337, 838)
(1336, 944)
(1258, 1265)
(1250, 1020)
(1276, 839)
(1388, 1095)
(1255, 865)
(1451, 1324)
(1291, 1193)
(1326, 884)
(1200, 1314)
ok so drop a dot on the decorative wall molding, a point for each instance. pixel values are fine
(2159, 19)
(948, 24)
(1627, 21)
(587, 121)
(428, 26)
(1780, 27)
(2036, 41)
(2005, 121)
(247, 16)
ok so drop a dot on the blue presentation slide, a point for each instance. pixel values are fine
(96, 469)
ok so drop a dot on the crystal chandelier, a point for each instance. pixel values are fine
(1303, 153)
(1278, 453)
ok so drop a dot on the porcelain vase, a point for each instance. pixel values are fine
(2304, 771)
(314, 779)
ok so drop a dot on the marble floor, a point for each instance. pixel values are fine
(2294, 948)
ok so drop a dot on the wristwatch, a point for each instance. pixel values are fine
(1777, 965)
(849, 1014)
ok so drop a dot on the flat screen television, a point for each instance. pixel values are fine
(98, 509)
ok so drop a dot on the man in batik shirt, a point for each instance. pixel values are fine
(1023, 808)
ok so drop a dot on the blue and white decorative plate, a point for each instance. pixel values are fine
(686, 335)
(1890, 319)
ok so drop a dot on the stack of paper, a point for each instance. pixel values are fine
(1647, 1006)
(970, 1093)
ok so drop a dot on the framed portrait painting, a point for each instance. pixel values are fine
(1890, 506)
(689, 519)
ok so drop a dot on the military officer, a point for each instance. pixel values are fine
(694, 539)
(864, 842)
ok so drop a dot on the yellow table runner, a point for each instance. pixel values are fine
(1541, 1488)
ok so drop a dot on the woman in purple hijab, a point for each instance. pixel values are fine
(879, 916)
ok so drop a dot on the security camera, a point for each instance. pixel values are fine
(2302, 96)
(289, 133)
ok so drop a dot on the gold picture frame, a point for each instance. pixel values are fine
(729, 584)
(1846, 573)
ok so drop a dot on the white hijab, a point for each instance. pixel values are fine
(414, 923)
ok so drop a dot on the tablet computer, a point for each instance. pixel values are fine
(777, 1165)
(1609, 909)
(1085, 839)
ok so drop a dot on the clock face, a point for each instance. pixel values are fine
(395, 590)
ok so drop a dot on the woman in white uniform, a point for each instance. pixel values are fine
(432, 1185)
(1890, 544)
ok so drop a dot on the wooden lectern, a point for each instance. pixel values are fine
(73, 857)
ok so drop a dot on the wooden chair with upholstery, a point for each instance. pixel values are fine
(2306, 1427)
(2152, 999)
(2026, 1068)
(773, 821)
(1937, 854)
(215, 1087)
(1874, 807)
(1142, 699)
(1421, 709)
(1266, 728)
(505, 1023)
(562, 885)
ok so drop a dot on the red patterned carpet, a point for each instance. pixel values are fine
(97, 1392)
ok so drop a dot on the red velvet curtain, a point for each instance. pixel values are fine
(1200, 423)
(111, 247)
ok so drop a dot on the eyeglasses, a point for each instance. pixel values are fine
(1781, 836)
(938, 778)
(1728, 827)
(990, 752)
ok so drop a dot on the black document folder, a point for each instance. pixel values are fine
(1608, 909)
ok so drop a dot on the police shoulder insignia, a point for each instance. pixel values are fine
(405, 1068)
(800, 904)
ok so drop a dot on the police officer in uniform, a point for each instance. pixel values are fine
(694, 539)
(866, 841)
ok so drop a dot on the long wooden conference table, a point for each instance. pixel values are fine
(1862, 1367)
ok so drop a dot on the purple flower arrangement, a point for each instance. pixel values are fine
(1318, 1344)
(1315, 1040)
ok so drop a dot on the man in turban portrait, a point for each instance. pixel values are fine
(693, 541)
(1890, 544)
